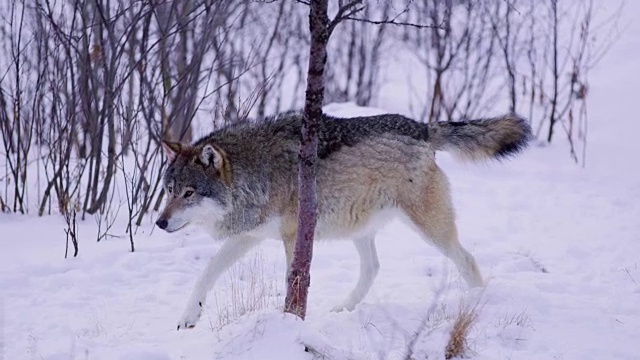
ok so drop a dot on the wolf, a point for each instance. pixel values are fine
(240, 184)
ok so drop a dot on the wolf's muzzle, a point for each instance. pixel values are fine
(162, 223)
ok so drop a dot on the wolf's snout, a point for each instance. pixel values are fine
(162, 223)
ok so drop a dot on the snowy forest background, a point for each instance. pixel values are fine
(89, 88)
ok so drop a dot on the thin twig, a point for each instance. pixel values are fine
(630, 277)
(397, 23)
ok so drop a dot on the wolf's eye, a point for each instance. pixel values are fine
(170, 189)
(188, 193)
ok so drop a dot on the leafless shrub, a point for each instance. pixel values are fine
(17, 134)
(89, 84)
(69, 212)
(107, 218)
(133, 208)
(3, 205)
(561, 48)
(459, 58)
(533, 56)
(282, 30)
(356, 58)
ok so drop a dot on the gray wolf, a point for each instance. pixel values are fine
(239, 183)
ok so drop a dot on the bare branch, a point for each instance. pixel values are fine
(344, 12)
(397, 23)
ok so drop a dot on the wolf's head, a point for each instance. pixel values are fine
(197, 185)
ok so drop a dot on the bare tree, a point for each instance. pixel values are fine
(299, 276)
(321, 28)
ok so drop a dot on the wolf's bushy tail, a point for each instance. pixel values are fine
(494, 138)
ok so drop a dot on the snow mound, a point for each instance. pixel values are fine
(272, 334)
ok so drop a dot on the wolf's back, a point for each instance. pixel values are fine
(493, 138)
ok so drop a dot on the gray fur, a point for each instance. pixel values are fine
(240, 184)
(333, 133)
(497, 138)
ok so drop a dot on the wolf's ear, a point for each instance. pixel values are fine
(211, 156)
(171, 149)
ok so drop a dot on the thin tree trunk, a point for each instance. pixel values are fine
(556, 76)
(299, 276)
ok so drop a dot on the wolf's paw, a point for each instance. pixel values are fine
(344, 306)
(190, 316)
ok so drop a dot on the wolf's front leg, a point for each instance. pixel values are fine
(369, 266)
(230, 252)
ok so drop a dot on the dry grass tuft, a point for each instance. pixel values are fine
(520, 319)
(250, 288)
(458, 345)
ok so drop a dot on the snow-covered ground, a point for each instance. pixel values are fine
(558, 244)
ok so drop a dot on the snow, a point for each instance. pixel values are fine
(559, 246)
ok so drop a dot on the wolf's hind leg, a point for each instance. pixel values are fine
(230, 252)
(444, 235)
(434, 218)
(369, 266)
(461, 257)
(288, 232)
(289, 247)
